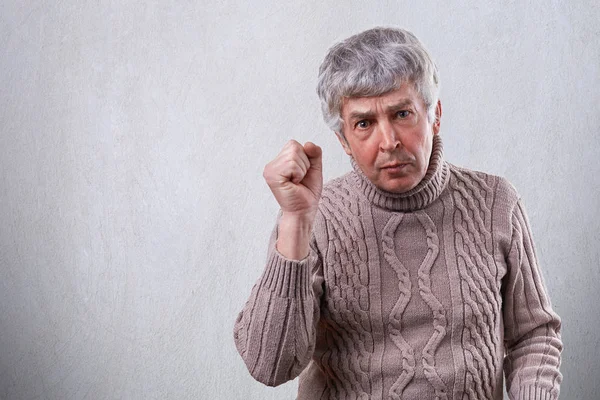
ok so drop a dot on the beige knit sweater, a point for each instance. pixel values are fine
(430, 294)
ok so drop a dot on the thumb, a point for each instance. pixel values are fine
(314, 154)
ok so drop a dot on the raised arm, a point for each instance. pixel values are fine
(532, 328)
(275, 332)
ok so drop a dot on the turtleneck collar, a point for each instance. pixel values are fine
(420, 196)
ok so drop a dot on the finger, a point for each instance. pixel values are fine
(314, 154)
(303, 158)
(294, 151)
(297, 171)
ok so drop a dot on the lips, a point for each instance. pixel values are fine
(395, 169)
(394, 165)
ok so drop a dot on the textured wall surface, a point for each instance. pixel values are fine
(133, 215)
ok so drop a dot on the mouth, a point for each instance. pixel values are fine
(394, 166)
(395, 169)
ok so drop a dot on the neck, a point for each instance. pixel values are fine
(426, 191)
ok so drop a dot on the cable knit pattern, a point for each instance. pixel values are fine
(346, 280)
(479, 284)
(439, 314)
(429, 294)
(408, 356)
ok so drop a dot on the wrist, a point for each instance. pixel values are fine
(293, 236)
(299, 220)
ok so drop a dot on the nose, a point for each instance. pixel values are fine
(390, 139)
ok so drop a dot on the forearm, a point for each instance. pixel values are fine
(532, 363)
(293, 241)
(532, 328)
(275, 332)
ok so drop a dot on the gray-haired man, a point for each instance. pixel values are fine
(409, 277)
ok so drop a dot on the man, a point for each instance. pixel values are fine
(408, 278)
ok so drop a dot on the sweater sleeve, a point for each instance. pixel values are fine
(275, 332)
(531, 327)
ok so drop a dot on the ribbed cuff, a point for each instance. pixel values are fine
(535, 393)
(288, 278)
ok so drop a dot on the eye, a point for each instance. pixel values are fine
(363, 124)
(403, 114)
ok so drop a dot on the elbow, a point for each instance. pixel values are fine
(268, 373)
(267, 377)
(277, 372)
(544, 332)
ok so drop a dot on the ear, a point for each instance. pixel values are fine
(344, 143)
(438, 117)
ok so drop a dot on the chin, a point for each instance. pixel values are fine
(398, 184)
(397, 187)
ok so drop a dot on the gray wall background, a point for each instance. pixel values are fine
(133, 215)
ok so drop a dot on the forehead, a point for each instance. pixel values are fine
(405, 95)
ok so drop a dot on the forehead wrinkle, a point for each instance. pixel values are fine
(398, 105)
(360, 110)
(367, 112)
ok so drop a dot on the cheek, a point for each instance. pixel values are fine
(425, 154)
(420, 145)
(368, 154)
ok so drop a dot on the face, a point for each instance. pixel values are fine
(390, 137)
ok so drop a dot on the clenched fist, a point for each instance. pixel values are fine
(295, 177)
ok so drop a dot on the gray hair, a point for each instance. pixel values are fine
(372, 63)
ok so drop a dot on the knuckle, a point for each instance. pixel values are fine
(268, 172)
(295, 145)
(291, 144)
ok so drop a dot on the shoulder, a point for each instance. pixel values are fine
(341, 183)
(339, 191)
(339, 203)
(497, 188)
(337, 208)
(493, 196)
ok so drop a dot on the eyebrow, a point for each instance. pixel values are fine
(370, 114)
(399, 105)
(361, 115)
